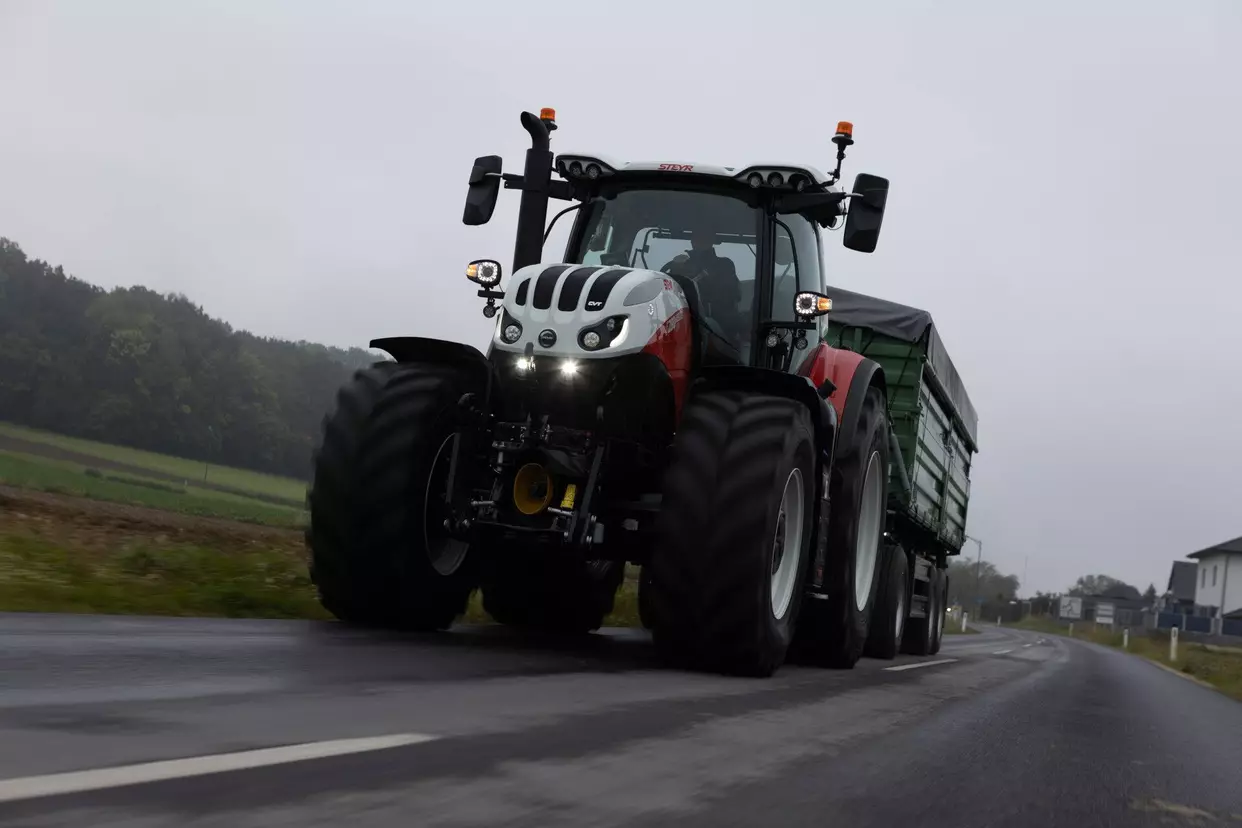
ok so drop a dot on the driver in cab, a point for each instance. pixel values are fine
(715, 276)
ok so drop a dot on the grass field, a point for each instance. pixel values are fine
(68, 554)
(1221, 667)
(176, 468)
(37, 460)
(58, 476)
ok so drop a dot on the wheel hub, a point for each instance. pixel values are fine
(787, 545)
(870, 526)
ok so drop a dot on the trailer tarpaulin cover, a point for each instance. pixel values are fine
(909, 325)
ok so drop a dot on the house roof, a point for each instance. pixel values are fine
(1228, 547)
(1182, 580)
(1122, 592)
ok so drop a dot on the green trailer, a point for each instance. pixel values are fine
(933, 423)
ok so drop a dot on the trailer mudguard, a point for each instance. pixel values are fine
(442, 352)
(848, 376)
(779, 384)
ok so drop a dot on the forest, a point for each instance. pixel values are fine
(151, 371)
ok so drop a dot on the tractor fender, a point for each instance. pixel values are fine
(844, 376)
(778, 384)
(440, 352)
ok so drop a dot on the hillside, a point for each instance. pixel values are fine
(137, 368)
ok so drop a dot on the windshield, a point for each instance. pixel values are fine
(706, 241)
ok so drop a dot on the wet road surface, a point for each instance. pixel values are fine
(108, 721)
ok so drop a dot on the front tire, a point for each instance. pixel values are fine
(733, 533)
(379, 553)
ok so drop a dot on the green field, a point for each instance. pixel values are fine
(152, 578)
(241, 480)
(141, 546)
(57, 476)
(40, 461)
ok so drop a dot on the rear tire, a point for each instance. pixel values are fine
(942, 596)
(379, 553)
(834, 632)
(539, 593)
(733, 533)
(920, 637)
(892, 606)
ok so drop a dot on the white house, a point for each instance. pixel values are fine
(1219, 578)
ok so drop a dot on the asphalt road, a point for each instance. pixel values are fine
(287, 723)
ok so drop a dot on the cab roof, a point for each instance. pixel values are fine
(574, 166)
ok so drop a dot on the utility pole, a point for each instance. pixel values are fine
(978, 572)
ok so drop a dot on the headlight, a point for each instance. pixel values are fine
(602, 333)
(485, 272)
(512, 333)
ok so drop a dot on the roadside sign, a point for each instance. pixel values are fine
(1071, 607)
(1104, 614)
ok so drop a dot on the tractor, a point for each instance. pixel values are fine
(663, 397)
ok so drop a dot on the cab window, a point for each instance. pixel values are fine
(796, 269)
(707, 241)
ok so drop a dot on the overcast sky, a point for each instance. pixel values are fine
(1065, 195)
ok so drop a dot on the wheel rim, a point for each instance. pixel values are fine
(444, 552)
(870, 521)
(787, 545)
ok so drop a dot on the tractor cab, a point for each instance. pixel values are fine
(741, 244)
(738, 263)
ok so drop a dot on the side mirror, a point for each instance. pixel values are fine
(484, 190)
(866, 213)
(808, 305)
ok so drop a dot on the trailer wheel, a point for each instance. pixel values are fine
(920, 637)
(379, 553)
(733, 533)
(892, 606)
(835, 631)
(540, 593)
(942, 596)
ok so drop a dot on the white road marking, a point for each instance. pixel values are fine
(1024, 646)
(56, 784)
(1003, 652)
(919, 664)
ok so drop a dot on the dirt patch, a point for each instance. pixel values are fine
(50, 452)
(82, 523)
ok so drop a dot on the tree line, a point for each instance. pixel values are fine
(972, 580)
(152, 371)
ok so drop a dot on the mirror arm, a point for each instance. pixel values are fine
(560, 190)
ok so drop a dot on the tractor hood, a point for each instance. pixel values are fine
(579, 311)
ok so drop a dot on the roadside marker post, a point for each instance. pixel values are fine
(1125, 638)
(1173, 644)
(964, 614)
